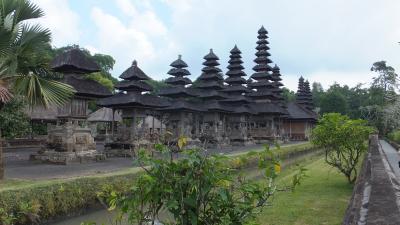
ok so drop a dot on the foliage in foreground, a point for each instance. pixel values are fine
(344, 142)
(198, 189)
(13, 120)
(19, 199)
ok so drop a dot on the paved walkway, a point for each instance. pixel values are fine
(18, 164)
(393, 157)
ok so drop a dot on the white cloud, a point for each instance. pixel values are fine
(143, 37)
(61, 20)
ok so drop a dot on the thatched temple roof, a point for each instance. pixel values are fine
(74, 61)
(105, 115)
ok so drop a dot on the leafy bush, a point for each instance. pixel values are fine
(43, 202)
(199, 189)
(395, 136)
(344, 142)
(13, 120)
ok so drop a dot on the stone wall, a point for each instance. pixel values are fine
(374, 196)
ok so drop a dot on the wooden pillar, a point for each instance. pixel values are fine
(134, 124)
(152, 126)
(112, 122)
(197, 122)
(216, 122)
(181, 125)
(161, 122)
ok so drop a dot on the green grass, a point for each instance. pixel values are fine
(321, 199)
(15, 184)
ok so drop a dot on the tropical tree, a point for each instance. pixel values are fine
(24, 62)
(344, 142)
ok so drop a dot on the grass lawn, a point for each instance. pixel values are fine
(322, 198)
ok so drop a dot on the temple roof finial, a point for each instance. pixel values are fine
(134, 63)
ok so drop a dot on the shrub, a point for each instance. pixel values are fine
(44, 202)
(344, 142)
(395, 136)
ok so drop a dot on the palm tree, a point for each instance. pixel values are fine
(24, 59)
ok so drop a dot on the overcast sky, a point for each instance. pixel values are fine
(324, 41)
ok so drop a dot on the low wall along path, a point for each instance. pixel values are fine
(376, 195)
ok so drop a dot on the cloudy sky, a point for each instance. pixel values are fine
(324, 41)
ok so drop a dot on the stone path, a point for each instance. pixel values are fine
(393, 157)
(18, 165)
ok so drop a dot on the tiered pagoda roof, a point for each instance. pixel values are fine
(177, 91)
(276, 81)
(262, 75)
(133, 80)
(210, 81)
(74, 64)
(304, 95)
(134, 85)
(235, 76)
(178, 81)
(235, 88)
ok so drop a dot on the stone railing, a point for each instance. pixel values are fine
(374, 199)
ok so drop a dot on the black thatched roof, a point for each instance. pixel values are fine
(236, 88)
(243, 110)
(177, 92)
(133, 100)
(298, 112)
(215, 106)
(183, 105)
(85, 87)
(179, 63)
(210, 85)
(178, 82)
(133, 85)
(74, 61)
(304, 95)
(267, 108)
(237, 99)
(212, 94)
(134, 73)
(264, 84)
(182, 81)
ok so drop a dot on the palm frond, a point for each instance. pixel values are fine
(5, 94)
(5, 43)
(40, 91)
(33, 36)
(7, 7)
(26, 10)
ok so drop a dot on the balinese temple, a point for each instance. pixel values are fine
(237, 123)
(71, 138)
(301, 118)
(182, 115)
(234, 110)
(265, 125)
(209, 88)
(135, 104)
